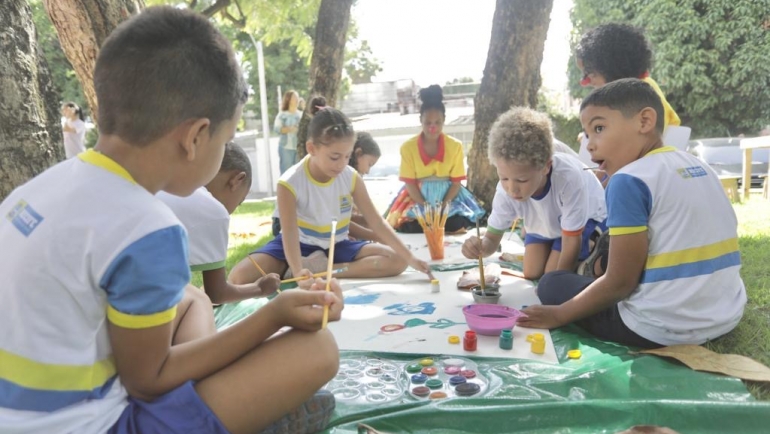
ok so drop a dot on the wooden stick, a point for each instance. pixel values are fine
(481, 260)
(257, 265)
(321, 274)
(513, 228)
(329, 273)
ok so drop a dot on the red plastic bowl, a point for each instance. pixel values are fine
(490, 319)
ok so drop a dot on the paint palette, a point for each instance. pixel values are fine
(443, 377)
(367, 380)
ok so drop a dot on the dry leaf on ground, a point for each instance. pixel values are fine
(703, 359)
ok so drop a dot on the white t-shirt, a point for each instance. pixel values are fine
(101, 248)
(207, 223)
(319, 203)
(74, 142)
(691, 290)
(572, 196)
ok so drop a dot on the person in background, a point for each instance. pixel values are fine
(74, 129)
(286, 124)
(432, 169)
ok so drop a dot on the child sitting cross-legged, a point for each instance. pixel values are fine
(561, 203)
(669, 266)
(205, 215)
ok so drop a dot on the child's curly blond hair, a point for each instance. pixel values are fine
(522, 135)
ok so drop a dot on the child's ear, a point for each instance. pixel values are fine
(547, 167)
(236, 180)
(358, 152)
(648, 118)
(310, 147)
(195, 133)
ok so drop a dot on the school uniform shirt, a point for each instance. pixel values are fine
(101, 248)
(207, 223)
(669, 115)
(318, 203)
(571, 197)
(447, 163)
(691, 290)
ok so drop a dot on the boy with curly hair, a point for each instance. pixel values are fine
(560, 202)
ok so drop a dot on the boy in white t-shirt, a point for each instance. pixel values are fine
(672, 268)
(561, 203)
(205, 215)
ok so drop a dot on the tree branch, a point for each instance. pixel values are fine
(216, 7)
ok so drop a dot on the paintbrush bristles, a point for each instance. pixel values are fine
(481, 259)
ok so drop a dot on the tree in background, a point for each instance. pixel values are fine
(30, 137)
(360, 64)
(82, 27)
(710, 57)
(328, 55)
(511, 78)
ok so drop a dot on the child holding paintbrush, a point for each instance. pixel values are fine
(561, 204)
(319, 189)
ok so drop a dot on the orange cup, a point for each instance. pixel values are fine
(436, 244)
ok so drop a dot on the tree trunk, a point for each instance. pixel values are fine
(82, 26)
(30, 134)
(511, 78)
(331, 32)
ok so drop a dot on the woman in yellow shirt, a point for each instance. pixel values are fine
(432, 169)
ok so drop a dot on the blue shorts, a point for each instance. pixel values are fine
(181, 411)
(344, 250)
(556, 243)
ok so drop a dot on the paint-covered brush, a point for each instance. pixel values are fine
(329, 272)
(481, 260)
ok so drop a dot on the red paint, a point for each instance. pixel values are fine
(469, 341)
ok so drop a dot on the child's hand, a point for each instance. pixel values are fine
(473, 247)
(540, 317)
(305, 283)
(419, 265)
(303, 310)
(267, 285)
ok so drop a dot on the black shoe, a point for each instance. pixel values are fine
(600, 253)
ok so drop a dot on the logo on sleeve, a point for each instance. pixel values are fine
(24, 218)
(692, 172)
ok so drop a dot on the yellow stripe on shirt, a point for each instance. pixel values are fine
(100, 160)
(325, 228)
(695, 254)
(628, 230)
(44, 376)
(129, 321)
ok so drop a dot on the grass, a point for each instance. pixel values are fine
(249, 229)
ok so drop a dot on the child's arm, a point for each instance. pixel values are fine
(361, 233)
(378, 225)
(287, 209)
(149, 366)
(627, 259)
(221, 291)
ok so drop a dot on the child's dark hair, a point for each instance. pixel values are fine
(161, 68)
(328, 123)
(78, 110)
(368, 146)
(235, 159)
(615, 51)
(432, 98)
(629, 96)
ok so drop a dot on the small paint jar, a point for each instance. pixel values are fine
(506, 339)
(469, 341)
(435, 287)
(538, 344)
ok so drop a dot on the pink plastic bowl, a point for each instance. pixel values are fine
(490, 319)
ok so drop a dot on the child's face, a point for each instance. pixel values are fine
(365, 163)
(591, 79)
(333, 158)
(610, 137)
(432, 124)
(520, 180)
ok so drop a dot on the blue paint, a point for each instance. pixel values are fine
(362, 299)
(425, 308)
(419, 378)
(457, 379)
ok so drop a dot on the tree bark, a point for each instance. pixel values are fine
(30, 134)
(511, 78)
(82, 26)
(331, 33)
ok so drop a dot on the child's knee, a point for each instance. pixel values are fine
(196, 296)
(547, 289)
(326, 354)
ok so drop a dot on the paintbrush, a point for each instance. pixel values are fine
(596, 169)
(329, 272)
(321, 274)
(513, 228)
(278, 290)
(481, 261)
